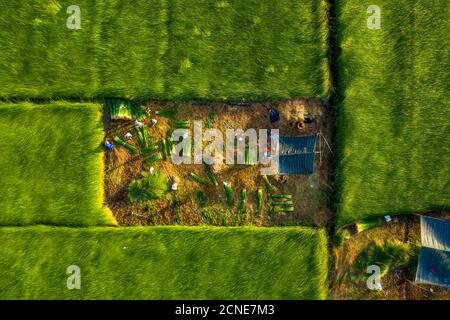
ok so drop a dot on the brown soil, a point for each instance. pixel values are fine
(182, 206)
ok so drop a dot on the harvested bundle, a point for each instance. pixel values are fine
(187, 150)
(170, 146)
(137, 111)
(269, 185)
(148, 150)
(185, 124)
(201, 199)
(129, 147)
(343, 236)
(247, 154)
(249, 157)
(167, 113)
(119, 109)
(211, 175)
(283, 203)
(142, 134)
(229, 193)
(243, 200)
(209, 121)
(367, 224)
(287, 209)
(164, 149)
(199, 179)
(259, 196)
(152, 159)
(281, 196)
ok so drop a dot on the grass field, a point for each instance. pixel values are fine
(118, 41)
(51, 165)
(164, 263)
(393, 127)
(252, 49)
(170, 49)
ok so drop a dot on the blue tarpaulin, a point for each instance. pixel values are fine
(434, 261)
(297, 154)
(435, 233)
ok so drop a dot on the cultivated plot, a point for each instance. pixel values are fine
(51, 165)
(393, 127)
(164, 263)
(220, 194)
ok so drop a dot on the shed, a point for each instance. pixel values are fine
(297, 154)
(434, 260)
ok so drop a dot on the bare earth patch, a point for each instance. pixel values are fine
(309, 192)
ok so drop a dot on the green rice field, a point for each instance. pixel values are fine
(233, 49)
(391, 149)
(51, 165)
(164, 263)
(393, 126)
(164, 49)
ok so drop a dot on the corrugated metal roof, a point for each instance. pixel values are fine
(297, 155)
(435, 233)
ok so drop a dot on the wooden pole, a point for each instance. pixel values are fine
(320, 148)
(327, 143)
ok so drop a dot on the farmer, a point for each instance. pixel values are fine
(127, 136)
(108, 145)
